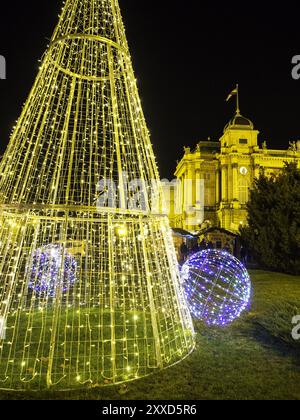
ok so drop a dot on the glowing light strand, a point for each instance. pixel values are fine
(52, 269)
(217, 286)
(122, 313)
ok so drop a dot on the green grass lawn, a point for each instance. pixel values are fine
(254, 358)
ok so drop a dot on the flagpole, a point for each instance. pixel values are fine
(237, 100)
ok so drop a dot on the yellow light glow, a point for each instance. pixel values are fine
(74, 280)
(121, 231)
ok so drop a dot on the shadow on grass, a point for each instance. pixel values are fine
(275, 343)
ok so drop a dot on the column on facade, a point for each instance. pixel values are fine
(194, 199)
(217, 186)
(198, 190)
(177, 198)
(224, 176)
(235, 187)
(180, 201)
(256, 171)
(182, 193)
(199, 187)
(188, 188)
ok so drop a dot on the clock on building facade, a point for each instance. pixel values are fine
(243, 170)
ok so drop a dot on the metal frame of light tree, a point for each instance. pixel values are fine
(88, 294)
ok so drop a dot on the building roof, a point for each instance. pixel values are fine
(216, 230)
(185, 233)
(238, 122)
(182, 232)
(208, 146)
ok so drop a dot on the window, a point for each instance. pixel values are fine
(209, 190)
(219, 245)
(243, 191)
(243, 141)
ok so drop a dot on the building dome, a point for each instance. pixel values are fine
(238, 122)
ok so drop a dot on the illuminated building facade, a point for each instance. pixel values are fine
(226, 170)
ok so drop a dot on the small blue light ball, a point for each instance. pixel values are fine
(217, 287)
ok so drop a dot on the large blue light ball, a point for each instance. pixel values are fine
(52, 271)
(217, 286)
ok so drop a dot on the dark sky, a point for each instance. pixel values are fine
(187, 55)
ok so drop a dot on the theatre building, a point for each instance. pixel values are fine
(220, 174)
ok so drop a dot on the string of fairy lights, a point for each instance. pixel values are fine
(68, 111)
(217, 287)
(88, 296)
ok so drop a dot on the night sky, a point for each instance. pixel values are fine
(188, 55)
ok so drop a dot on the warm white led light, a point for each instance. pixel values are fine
(89, 284)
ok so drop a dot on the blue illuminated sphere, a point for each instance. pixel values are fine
(52, 270)
(217, 286)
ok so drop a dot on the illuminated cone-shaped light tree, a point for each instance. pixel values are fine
(89, 287)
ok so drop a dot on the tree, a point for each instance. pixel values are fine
(273, 231)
